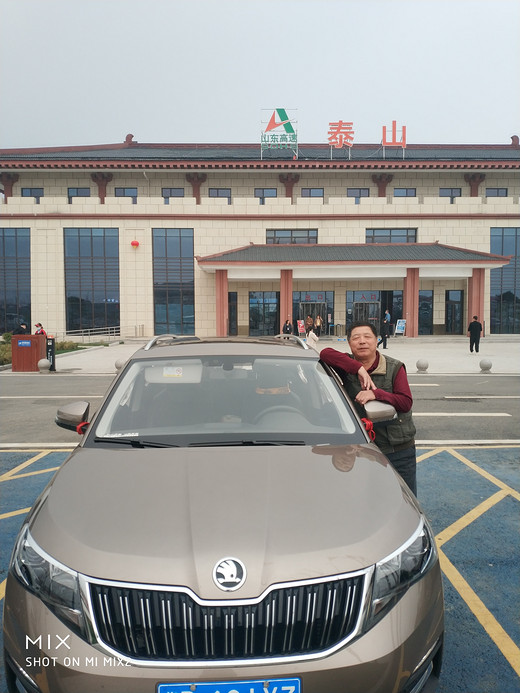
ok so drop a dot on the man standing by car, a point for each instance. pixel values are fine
(388, 383)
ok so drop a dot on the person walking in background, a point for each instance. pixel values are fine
(309, 324)
(318, 323)
(474, 332)
(388, 319)
(287, 327)
(21, 329)
(40, 330)
(385, 332)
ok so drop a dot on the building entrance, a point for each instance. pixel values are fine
(368, 311)
(454, 312)
(313, 309)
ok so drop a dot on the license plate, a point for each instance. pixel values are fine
(260, 686)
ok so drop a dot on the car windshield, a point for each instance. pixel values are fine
(226, 400)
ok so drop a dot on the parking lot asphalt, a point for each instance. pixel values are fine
(470, 493)
(471, 496)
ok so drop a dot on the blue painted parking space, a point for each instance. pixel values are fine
(472, 498)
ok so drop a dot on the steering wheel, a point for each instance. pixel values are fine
(277, 408)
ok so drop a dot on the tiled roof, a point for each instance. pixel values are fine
(133, 152)
(370, 252)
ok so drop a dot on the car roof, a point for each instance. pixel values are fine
(169, 346)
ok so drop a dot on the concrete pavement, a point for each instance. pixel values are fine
(445, 355)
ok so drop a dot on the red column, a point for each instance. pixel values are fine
(196, 180)
(382, 180)
(476, 285)
(8, 180)
(102, 180)
(221, 307)
(474, 180)
(286, 305)
(289, 180)
(411, 301)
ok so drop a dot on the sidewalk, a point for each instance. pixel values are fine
(444, 355)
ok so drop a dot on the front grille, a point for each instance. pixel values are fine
(291, 620)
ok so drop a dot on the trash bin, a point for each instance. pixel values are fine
(26, 351)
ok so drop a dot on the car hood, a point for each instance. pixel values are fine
(168, 516)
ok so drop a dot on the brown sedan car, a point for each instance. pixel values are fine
(224, 526)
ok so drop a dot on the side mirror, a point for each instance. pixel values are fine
(380, 412)
(70, 416)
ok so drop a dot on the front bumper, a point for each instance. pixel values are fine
(402, 653)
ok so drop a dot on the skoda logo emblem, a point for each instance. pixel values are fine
(229, 574)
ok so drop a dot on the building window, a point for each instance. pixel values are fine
(291, 236)
(452, 193)
(262, 193)
(264, 315)
(77, 192)
(15, 278)
(232, 312)
(91, 278)
(391, 235)
(358, 193)
(221, 192)
(171, 192)
(173, 281)
(496, 192)
(312, 192)
(37, 193)
(505, 282)
(404, 192)
(127, 192)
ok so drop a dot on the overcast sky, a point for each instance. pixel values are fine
(91, 71)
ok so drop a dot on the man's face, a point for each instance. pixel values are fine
(363, 343)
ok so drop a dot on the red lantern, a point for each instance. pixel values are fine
(135, 244)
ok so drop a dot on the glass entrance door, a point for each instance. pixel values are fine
(454, 312)
(313, 309)
(368, 311)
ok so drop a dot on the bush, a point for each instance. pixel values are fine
(7, 336)
(66, 346)
(5, 354)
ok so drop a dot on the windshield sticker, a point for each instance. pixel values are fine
(120, 435)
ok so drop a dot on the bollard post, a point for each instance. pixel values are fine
(485, 366)
(44, 366)
(422, 366)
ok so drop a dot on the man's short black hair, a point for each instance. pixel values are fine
(360, 323)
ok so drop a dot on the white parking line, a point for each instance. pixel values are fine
(481, 397)
(437, 413)
(51, 396)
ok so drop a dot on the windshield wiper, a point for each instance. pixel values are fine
(228, 443)
(135, 442)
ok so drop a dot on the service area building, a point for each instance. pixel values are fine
(137, 239)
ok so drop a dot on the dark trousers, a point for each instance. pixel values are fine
(405, 464)
(474, 342)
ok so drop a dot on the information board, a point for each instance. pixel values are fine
(400, 327)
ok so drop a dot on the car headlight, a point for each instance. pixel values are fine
(394, 575)
(55, 584)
